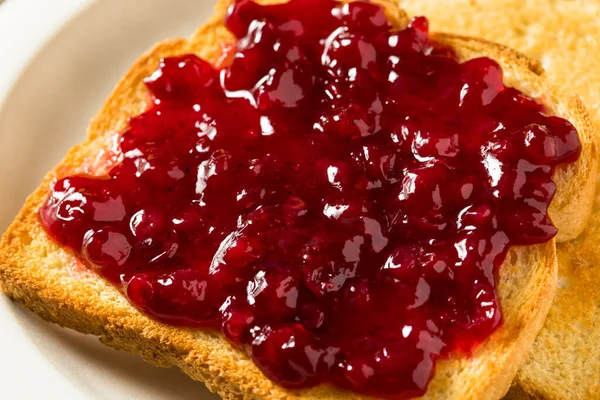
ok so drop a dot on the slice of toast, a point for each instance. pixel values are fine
(51, 282)
(563, 363)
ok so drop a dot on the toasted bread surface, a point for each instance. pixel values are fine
(52, 282)
(564, 362)
(564, 35)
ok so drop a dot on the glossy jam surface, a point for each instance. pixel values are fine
(337, 200)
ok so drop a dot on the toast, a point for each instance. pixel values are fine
(563, 363)
(49, 280)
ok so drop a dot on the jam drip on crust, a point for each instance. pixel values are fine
(337, 200)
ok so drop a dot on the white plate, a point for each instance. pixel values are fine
(59, 62)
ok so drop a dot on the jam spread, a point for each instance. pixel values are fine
(337, 199)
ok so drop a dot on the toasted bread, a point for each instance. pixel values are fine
(49, 280)
(564, 362)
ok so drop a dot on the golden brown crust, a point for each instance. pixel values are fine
(563, 363)
(37, 272)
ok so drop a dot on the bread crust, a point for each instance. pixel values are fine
(563, 363)
(49, 280)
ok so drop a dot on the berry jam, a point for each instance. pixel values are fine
(337, 200)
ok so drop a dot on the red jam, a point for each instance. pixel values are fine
(337, 200)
